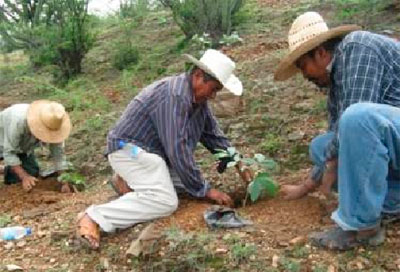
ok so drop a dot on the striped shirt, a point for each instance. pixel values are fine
(365, 68)
(163, 119)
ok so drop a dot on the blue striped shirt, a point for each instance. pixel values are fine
(163, 119)
(365, 68)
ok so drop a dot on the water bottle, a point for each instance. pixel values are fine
(135, 150)
(14, 233)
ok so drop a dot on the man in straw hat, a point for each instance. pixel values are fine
(22, 128)
(151, 147)
(361, 148)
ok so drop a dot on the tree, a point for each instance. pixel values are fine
(51, 31)
(204, 16)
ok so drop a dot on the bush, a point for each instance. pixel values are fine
(206, 16)
(125, 55)
(134, 9)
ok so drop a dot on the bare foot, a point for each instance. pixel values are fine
(88, 231)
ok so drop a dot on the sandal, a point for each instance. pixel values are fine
(389, 218)
(119, 185)
(338, 239)
(86, 229)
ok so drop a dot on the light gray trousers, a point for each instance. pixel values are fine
(154, 195)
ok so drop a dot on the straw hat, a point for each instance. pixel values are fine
(221, 67)
(308, 31)
(48, 121)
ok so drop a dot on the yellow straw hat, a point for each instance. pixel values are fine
(48, 121)
(308, 31)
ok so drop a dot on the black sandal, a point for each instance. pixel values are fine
(338, 239)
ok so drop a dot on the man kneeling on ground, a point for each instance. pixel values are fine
(24, 127)
(151, 147)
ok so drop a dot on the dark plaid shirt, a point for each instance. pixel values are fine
(163, 119)
(365, 68)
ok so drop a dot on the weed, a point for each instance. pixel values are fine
(241, 252)
(320, 268)
(113, 252)
(291, 265)
(299, 252)
(5, 219)
(271, 143)
(185, 252)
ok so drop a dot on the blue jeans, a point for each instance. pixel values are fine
(369, 165)
(317, 154)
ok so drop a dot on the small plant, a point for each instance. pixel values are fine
(241, 252)
(73, 179)
(230, 39)
(291, 265)
(263, 181)
(203, 41)
(5, 219)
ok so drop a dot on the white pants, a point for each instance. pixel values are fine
(154, 195)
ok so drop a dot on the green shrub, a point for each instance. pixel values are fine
(134, 9)
(64, 39)
(207, 16)
(125, 55)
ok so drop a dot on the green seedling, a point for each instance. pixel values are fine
(262, 182)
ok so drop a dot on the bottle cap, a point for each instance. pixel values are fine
(121, 144)
(28, 231)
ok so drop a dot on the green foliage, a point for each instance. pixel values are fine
(290, 265)
(72, 178)
(241, 252)
(348, 9)
(186, 252)
(271, 143)
(52, 32)
(208, 16)
(134, 9)
(263, 182)
(5, 219)
(125, 55)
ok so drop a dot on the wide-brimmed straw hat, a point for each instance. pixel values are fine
(48, 121)
(221, 67)
(308, 31)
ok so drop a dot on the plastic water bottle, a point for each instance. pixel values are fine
(14, 233)
(135, 150)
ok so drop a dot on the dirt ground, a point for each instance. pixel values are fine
(277, 110)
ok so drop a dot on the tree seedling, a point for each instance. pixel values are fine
(263, 182)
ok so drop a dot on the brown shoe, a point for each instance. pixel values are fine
(119, 185)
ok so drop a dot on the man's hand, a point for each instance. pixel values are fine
(28, 182)
(291, 192)
(329, 177)
(219, 197)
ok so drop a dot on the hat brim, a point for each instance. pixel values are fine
(233, 84)
(287, 68)
(40, 131)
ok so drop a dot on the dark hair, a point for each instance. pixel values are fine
(329, 45)
(206, 77)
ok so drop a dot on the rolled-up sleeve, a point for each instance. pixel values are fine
(171, 119)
